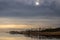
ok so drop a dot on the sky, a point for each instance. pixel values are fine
(29, 13)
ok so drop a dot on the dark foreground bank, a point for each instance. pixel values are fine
(53, 33)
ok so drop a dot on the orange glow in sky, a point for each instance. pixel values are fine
(13, 26)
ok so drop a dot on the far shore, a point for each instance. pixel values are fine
(47, 33)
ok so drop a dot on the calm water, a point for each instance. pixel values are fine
(7, 36)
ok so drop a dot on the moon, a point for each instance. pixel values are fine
(36, 3)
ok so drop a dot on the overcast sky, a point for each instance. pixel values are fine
(26, 12)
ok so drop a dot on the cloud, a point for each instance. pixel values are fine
(31, 22)
(24, 12)
(19, 8)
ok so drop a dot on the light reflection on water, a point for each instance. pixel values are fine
(7, 36)
(15, 38)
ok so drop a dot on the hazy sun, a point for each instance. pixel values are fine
(37, 3)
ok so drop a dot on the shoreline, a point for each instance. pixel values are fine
(47, 33)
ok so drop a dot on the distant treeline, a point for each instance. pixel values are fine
(35, 33)
(51, 30)
(46, 30)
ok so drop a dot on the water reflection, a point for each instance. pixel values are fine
(22, 38)
(13, 38)
(7, 36)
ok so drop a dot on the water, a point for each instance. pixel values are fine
(7, 36)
